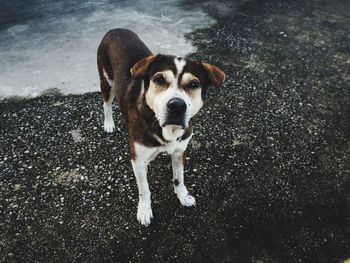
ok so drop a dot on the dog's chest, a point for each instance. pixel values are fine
(149, 153)
(172, 147)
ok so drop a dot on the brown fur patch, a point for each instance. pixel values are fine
(103, 61)
(105, 89)
(186, 78)
(216, 76)
(140, 69)
(187, 132)
(132, 150)
(154, 89)
(193, 93)
(184, 158)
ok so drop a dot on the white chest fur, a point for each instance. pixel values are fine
(146, 154)
(172, 147)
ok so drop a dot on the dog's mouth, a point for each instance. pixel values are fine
(175, 121)
(180, 125)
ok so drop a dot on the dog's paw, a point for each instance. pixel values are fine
(187, 200)
(109, 126)
(144, 214)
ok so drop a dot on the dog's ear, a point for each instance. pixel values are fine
(216, 76)
(140, 69)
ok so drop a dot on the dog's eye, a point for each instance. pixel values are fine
(159, 80)
(193, 84)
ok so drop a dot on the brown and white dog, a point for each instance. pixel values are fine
(158, 96)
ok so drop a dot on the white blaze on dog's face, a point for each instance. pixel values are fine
(172, 103)
(175, 89)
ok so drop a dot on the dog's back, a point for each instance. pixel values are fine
(119, 50)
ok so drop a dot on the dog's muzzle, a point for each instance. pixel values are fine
(176, 109)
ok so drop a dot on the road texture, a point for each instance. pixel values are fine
(269, 163)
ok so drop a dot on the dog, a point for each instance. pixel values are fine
(158, 95)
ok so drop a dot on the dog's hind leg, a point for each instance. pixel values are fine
(108, 96)
(107, 89)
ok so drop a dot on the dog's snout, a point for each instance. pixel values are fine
(177, 106)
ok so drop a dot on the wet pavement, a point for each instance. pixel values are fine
(269, 164)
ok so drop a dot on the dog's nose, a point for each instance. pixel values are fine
(177, 106)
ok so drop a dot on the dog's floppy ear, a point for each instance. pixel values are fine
(139, 70)
(216, 76)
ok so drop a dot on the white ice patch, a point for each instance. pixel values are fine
(76, 135)
(57, 49)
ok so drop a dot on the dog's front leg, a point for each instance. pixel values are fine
(177, 160)
(144, 210)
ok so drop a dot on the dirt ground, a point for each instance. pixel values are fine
(269, 163)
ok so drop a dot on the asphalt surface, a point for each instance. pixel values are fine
(269, 164)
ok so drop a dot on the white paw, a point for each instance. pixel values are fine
(109, 126)
(187, 200)
(144, 214)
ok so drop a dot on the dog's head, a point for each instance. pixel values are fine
(175, 87)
